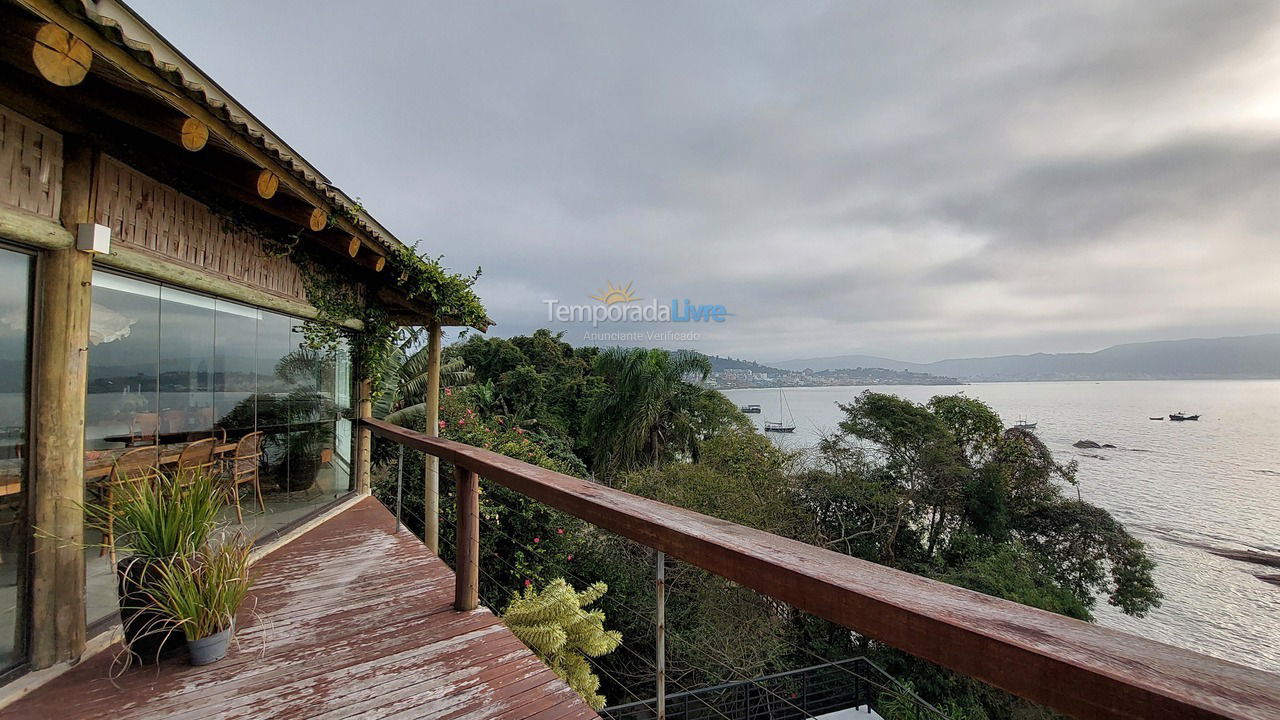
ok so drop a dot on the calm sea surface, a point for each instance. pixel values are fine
(1179, 487)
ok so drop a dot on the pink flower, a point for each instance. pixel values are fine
(442, 424)
(559, 531)
(448, 391)
(537, 540)
(568, 557)
(462, 421)
(527, 583)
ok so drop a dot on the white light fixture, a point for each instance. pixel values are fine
(93, 238)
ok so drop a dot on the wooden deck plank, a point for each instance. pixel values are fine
(349, 620)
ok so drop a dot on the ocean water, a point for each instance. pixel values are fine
(1180, 487)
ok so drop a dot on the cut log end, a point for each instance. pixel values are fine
(318, 221)
(381, 263)
(353, 247)
(268, 183)
(62, 58)
(194, 134)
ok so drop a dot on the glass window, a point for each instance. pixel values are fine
(121, 407)
(235, 340)
(186, 363)
(15, 313)
(167, 366)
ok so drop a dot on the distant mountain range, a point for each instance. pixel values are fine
(1253, 356)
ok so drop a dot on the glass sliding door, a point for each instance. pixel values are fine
(187, 331)
(167, 366)
(15, 324)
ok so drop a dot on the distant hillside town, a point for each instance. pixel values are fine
(729, 374)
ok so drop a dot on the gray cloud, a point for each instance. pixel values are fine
(902, 178)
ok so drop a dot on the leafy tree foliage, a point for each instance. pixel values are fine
(939, 489)
(647, 413)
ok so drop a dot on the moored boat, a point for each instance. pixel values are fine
(752, 409)
(778, 427)
(1179, 416)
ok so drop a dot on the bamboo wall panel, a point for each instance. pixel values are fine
(146, 215)
(30, 165)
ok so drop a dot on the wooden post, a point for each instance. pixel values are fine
(60, 352)
(466, 593)
(364, 439)
(431, 473)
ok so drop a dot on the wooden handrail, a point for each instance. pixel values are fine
(1074, 667)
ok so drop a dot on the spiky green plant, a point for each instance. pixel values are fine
(201, 593)
(556, 625)
(169, 517)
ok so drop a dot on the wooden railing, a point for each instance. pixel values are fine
(1074, 667)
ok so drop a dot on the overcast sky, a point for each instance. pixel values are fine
(917, 180)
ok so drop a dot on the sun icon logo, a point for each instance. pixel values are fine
(615, 295)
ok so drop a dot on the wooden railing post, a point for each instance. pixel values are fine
(431, 478)
(364, 438)
(467, 590)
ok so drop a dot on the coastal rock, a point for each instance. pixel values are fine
(1273, 579)
(1087, 444)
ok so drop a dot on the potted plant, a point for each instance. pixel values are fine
(202, 593)
(154, 523)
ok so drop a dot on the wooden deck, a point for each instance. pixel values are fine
(349, 620)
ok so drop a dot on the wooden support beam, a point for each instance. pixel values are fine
(431, 474)
(466, 592)
(266, 183)
(317, 220)
(353, 246)
(62, 58)
(364, 439)
(54, 12)
(29, 228)
(60, 358)
(194, 134)
(380, 263)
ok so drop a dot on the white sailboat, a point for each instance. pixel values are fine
(782, 426)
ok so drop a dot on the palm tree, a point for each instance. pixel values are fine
(403, 397)
(647, 413)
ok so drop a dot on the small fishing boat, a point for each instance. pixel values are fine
(751, 409)
(1157, 417)
(1180, 416)
(1022, 424)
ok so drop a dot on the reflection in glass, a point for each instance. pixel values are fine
(234, 363)
(15, 315)
(186, 357)
(121, 407)
(166, 365)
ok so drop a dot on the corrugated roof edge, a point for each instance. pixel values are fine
(124, 27)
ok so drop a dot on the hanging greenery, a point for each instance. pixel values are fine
(337, 300)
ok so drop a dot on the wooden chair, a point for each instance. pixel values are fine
(132, 468)
(244, 469)
(196, 457)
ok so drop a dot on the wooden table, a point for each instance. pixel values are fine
(101, 468)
